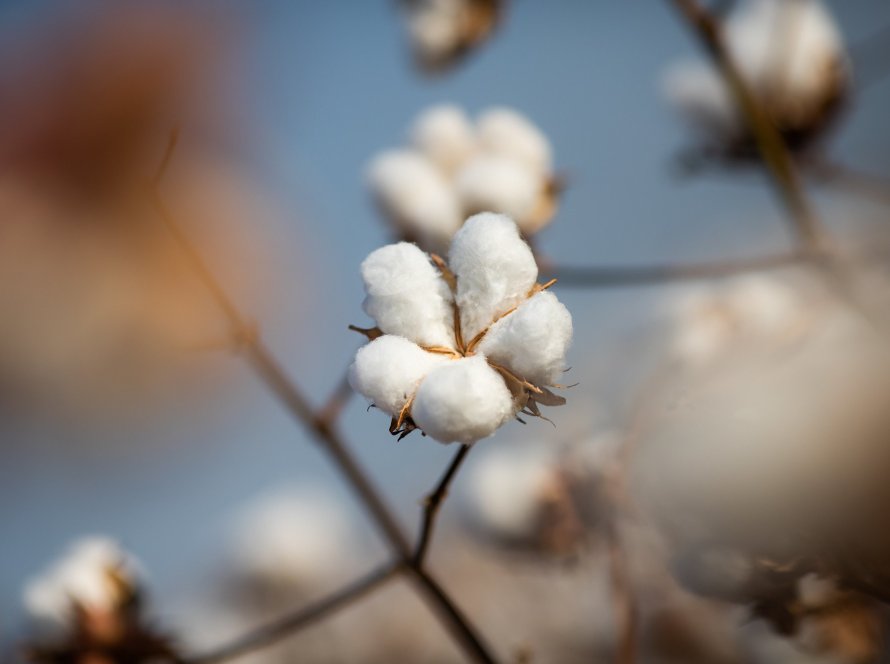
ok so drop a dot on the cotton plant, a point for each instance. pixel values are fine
(460, 348)
(791, 55)
(443, 32)
(454, 167)
(769, 467)
(87, 607)
(291, 538)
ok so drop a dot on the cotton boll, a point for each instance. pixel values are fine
(407, 296)
(95, 575)
(533, 340)
(415, 196)
(495, 270)
(436, 29)
(444, 134)
(508, 133)
(296, 536)
(388, 370)
(509, 492)
(790, 49)
(462, 401)
(494, 183)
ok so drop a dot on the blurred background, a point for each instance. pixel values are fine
(120, 414)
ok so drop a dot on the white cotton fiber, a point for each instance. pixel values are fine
(462, 401)
(435, 27)
(509, 490)
(415, 196)
(495, 270)
(494, 183)
(293, 535)
(407, 296)
(699, 94)
(791, 47)
(445, 135)
(533, 340)
(82, 577)
(388, 370)
(506, 132)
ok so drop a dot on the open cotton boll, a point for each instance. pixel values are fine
(533, 340)
(415, 196)
(495, 183)
(445, 135)
(509, 491)
(293, 535)
(388, 370)
(793, 46)
(407, 296)
(508, 133)
(495, 270)
(436, 28)
(462, 401)
(94, 574)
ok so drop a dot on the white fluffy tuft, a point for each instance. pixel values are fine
(388, 370)
(495, 270)
(435, 27)
(533, 340)
(445, 135)
(407, 296)
(462, 401)
(495, 183)
(508, 133)
(415, 196)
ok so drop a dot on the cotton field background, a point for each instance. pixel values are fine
(641, 301)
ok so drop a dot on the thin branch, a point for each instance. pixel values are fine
(624, 604)
(303, 617)
(769, 141)
(338, 400)
(611, 277)
(842, 177)
(433, 502)
(270, 371)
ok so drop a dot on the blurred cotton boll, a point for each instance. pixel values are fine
(710, 322)
(101, 308)
(770, 465)
(443, 32)
(791, 54)
(292, 539)
(88, 607)
(456, 168)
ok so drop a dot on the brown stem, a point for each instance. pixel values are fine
(304, 616)
(836, 175)
(433, 502)
(607, 277)
(270, 371)
(623, 603)
(769, 141)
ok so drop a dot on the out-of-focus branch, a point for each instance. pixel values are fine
(303, 617)
(610, 277)
(772, 147)
(845, 178)
(433, 502)
(623, 602)
(338, 400)
(270, 371)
